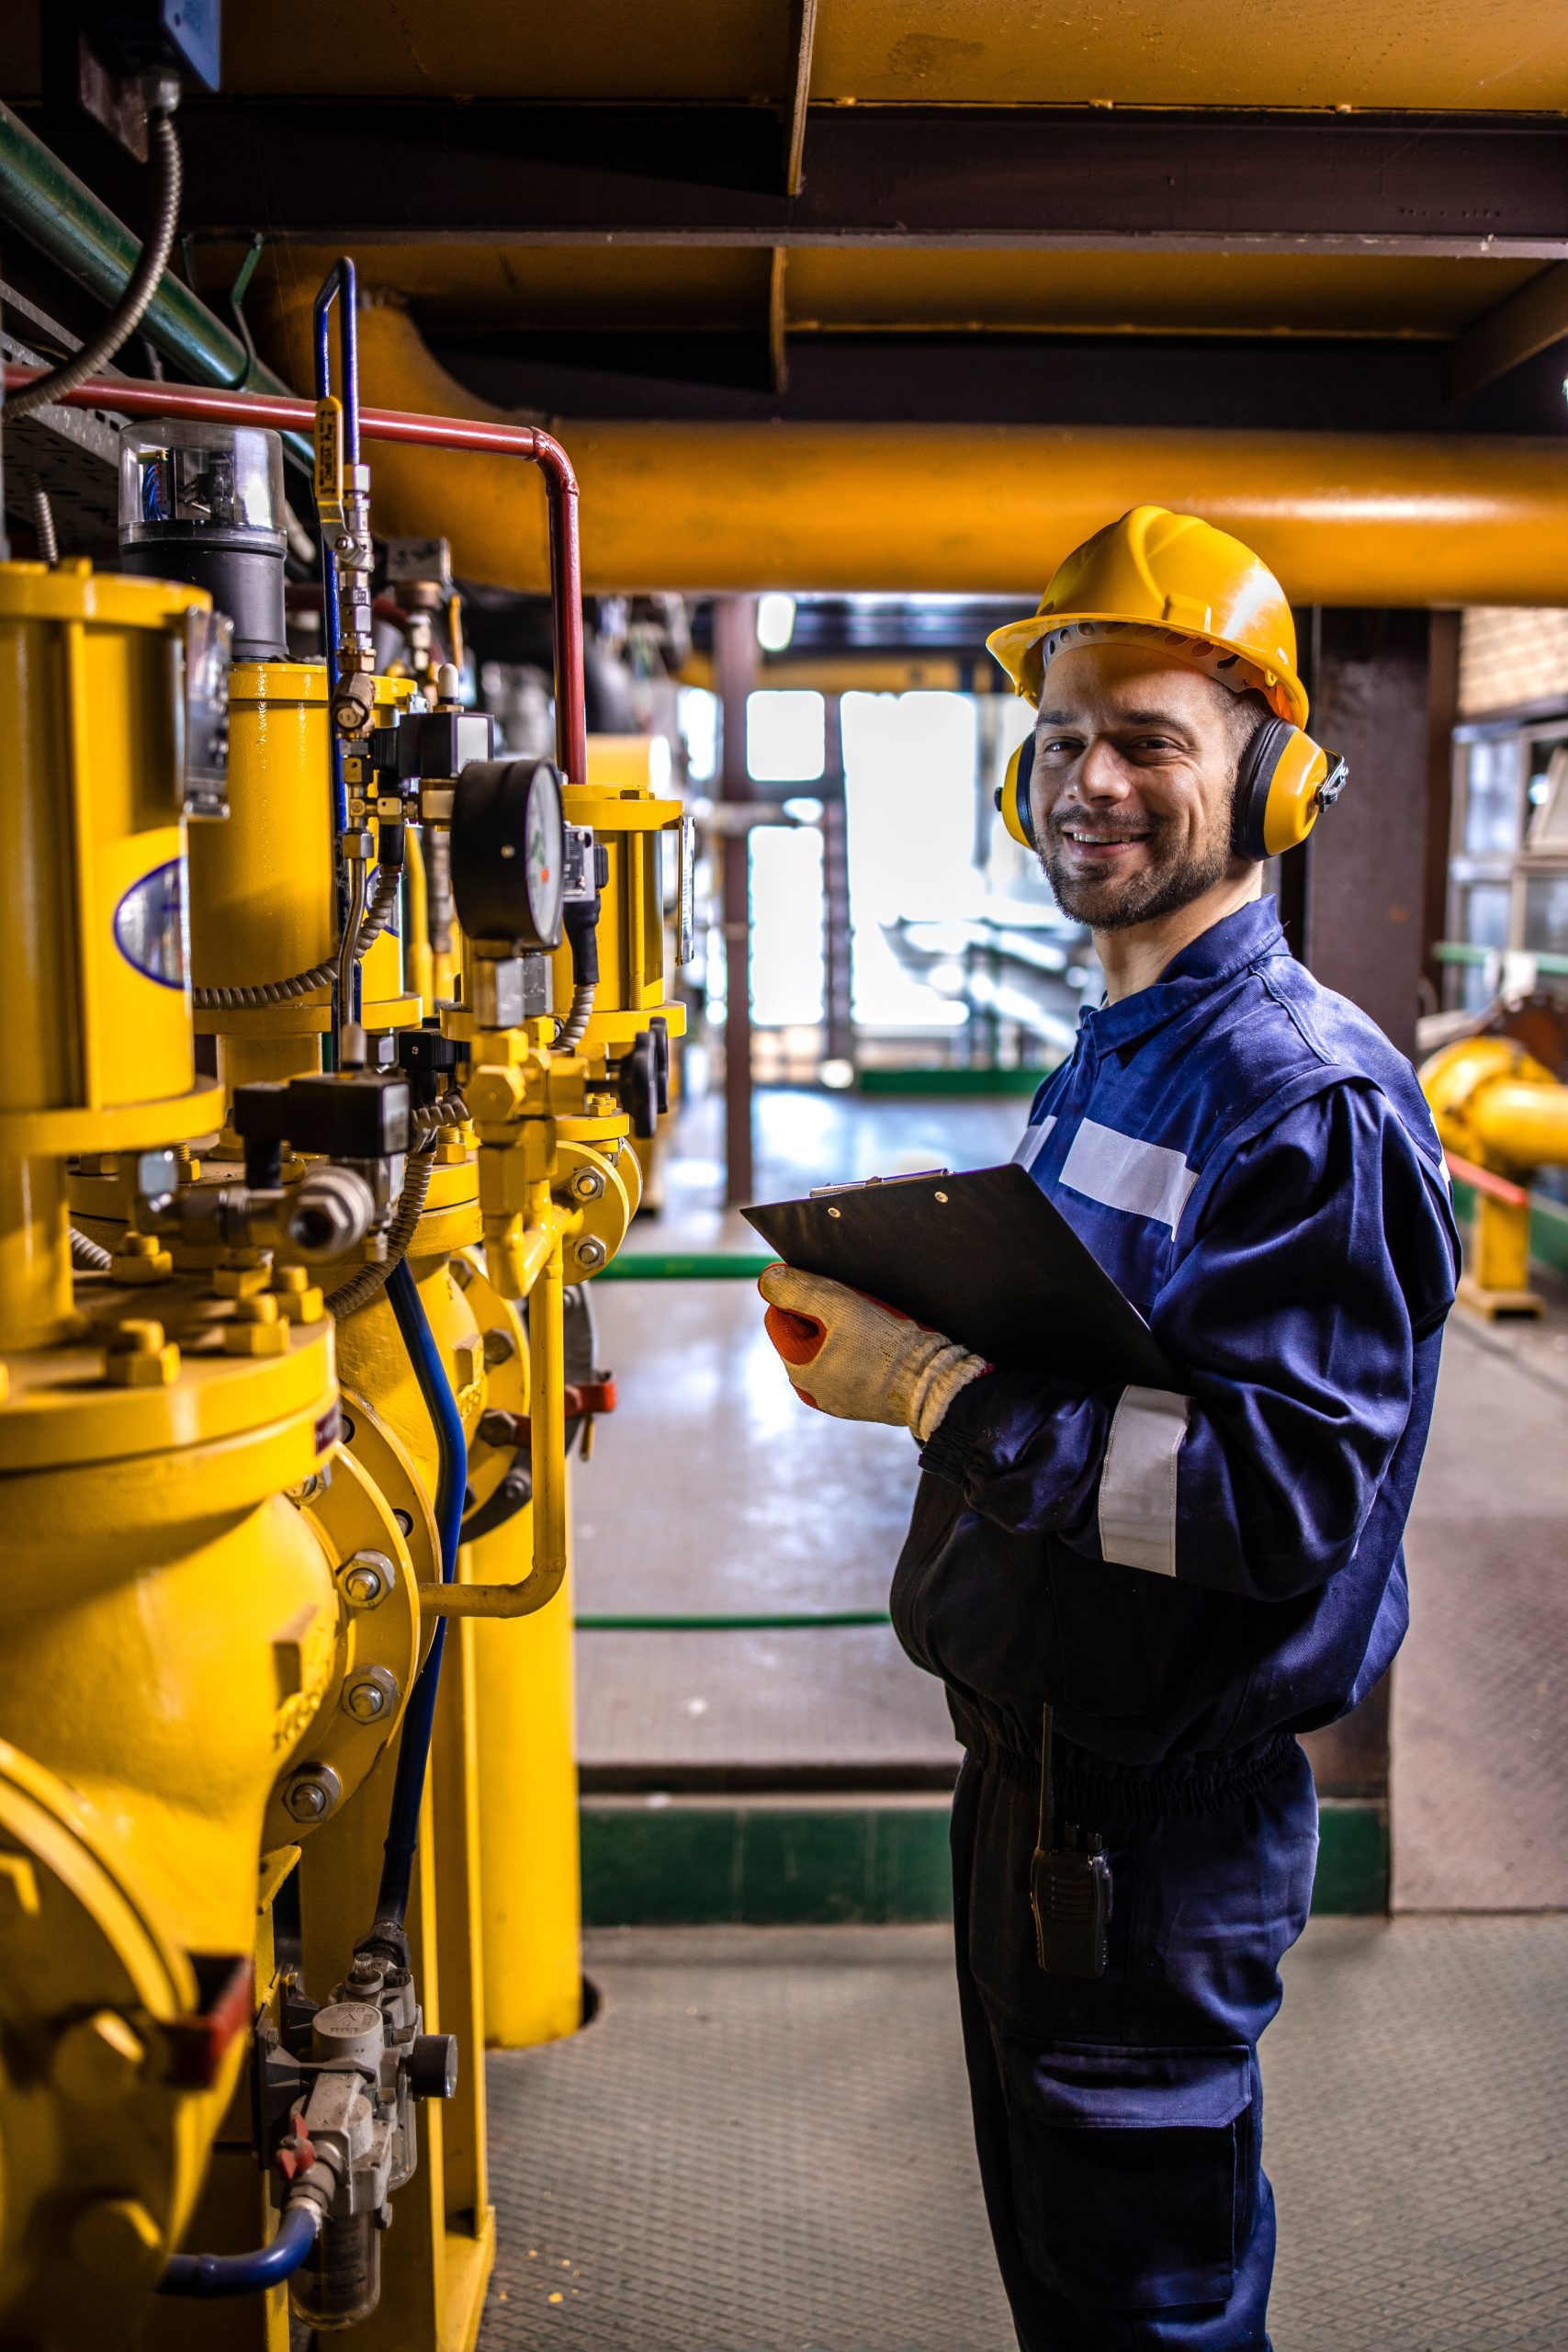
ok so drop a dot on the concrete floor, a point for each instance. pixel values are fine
(763, 2142)
(1480, 1687)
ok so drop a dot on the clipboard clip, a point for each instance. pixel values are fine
(866, 1183)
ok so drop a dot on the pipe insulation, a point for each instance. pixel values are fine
(57, 214)
(1343, 518)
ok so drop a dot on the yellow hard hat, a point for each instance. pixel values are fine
(1177, 576)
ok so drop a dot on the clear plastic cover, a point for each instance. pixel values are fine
(180, 479)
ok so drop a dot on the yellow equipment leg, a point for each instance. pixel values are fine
(527, 1809)
(1496, 1280)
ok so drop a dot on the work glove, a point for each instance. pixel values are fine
(850, 1355)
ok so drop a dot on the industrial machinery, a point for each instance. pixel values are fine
(1501, 1115)
(295, 1348)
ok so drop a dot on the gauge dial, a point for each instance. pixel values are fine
(543, 856)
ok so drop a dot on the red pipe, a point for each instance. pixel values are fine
(1481, 1180)
(140, 399)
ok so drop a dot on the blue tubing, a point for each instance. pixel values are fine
(247, 2274)
(413, 1749)
(339, 285)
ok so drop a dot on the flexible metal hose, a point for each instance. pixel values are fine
(371, 1281)
(87, 1256)
(574, 1028)
(383, 903)
(43, 519)
(449, 1111)
(128, 312)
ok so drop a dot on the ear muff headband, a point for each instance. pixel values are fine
(1285, 779)
(1013, 799)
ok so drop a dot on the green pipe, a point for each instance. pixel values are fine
(1460, 951)
(781, 1622)
(670, 1266)
(64, 218)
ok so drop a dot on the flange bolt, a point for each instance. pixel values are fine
(312, 1792)
(370, 1696)
(366, 1579)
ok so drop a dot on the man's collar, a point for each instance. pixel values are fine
(1227, 947)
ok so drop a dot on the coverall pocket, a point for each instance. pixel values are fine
(1132, 2170)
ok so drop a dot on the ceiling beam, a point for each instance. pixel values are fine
(1068, 178)
(1510, 333)
(802, 41)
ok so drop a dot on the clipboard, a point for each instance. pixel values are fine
(985, 1257)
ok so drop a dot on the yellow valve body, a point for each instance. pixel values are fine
(168, 1630)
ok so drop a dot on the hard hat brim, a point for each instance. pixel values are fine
(1012, 644)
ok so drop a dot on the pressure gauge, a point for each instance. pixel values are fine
(509, 852)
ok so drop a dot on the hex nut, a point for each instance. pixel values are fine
(140, 1258)
(240, 1281)
(365, 1579)
(298, 1298)
(371, 1695)
(587, 1185)
(257, 1328)
(139, 1356)
(312, 1792)
(97, 2059)
(500, 1345)
(590, 1253)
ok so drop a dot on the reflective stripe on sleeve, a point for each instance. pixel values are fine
(1123, 1172)
(1032, 1142)
(1137, 1485)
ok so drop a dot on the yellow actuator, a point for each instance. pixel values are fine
(264, 897)
(168, 1620)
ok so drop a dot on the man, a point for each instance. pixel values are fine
(1153, 1593)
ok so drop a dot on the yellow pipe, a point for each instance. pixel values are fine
(1344, 518)
(541, 1251)
(1526, 1126)
(1497, 1105)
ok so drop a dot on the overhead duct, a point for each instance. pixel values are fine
(1344, 518)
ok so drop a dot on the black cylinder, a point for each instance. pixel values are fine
(244, 580)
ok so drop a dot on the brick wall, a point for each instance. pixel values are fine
(1508, 657)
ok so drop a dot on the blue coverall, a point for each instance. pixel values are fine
(1188, 1582)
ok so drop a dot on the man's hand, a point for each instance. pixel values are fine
(852, 1356)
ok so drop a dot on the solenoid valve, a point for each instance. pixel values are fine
(343, 2079)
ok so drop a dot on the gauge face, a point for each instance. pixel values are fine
(543, 856)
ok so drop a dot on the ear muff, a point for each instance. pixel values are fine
(1012, 799)
(1285, 778)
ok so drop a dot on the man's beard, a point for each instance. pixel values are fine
(1161, 887)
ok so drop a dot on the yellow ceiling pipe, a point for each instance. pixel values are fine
(1343, 518)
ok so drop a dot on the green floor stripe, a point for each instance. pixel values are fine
(733, 1621)
(691, 1863)
(952, 1081)
(692, 1266)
